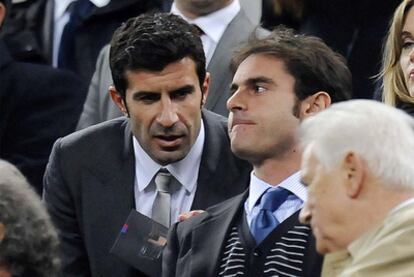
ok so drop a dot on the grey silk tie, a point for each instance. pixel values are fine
(161, 209)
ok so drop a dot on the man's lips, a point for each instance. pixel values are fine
(240, 122)
(168, 141)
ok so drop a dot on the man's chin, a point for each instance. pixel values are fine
(168, 157)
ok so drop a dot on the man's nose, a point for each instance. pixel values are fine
(236, 101)
(305, 215)
(168, 115)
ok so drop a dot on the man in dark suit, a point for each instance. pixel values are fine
(97, 175)
(279, 81)
(38, 104)
(225, 20)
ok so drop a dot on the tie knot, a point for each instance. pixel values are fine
(272, 199)
(162, 180)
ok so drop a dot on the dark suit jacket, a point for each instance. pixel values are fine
(89, 189)
(38, 104)
(95, 30)
(194, 246)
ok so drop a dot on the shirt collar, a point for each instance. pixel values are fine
(61, 6)
(258, 187)
(183, 170)
(215, 23)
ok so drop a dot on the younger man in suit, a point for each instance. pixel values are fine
(96, 176)
(361, 194)
(279, 81)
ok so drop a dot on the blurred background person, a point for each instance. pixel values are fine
(38, 104)
(354, 28)
(360, 194)
(69, 33)
(398, 61)
(28, 240)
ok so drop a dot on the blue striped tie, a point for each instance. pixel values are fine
(265, 221)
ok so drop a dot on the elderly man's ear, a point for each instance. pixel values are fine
(314, 104)
(354, 171)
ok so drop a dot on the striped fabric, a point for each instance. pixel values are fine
(281, 254)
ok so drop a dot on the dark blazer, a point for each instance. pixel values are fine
(95, 30)
(89, 189)
(38, 104)
(194, 246)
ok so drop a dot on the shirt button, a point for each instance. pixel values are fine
(256, 254)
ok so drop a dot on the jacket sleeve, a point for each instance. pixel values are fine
(60, 202)
(170, 255)
(91, 113)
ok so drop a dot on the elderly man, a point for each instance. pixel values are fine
(96, 176)
(358, 166)
(28, 240)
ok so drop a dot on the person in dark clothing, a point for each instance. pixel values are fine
(38, 104)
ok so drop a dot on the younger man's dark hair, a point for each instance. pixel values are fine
(151, 42)
(314, 65)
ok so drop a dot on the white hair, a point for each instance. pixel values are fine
(382, 135)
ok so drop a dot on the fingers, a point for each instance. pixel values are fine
(187, 215)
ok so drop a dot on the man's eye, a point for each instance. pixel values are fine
(259, 89)
(180, 94)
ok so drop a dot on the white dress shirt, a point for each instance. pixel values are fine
(213, 25)
(293, 203)
(61, 17)
(185, 171)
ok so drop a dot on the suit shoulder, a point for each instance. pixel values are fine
(101, 135)
(214, 121)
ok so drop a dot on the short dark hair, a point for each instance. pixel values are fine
(308, 59)
(151, 42)
(30, 244)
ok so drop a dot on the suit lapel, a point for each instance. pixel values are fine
(209, 236)
(236, 32)
(212, 150)
(116, 173)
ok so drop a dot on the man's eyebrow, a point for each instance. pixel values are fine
(186, 88)
(143, 92)
(260, 79)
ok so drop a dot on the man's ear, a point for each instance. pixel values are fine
(205, 88)
(2, 13)
(314, 104)
(354, 169)
(117, 99)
